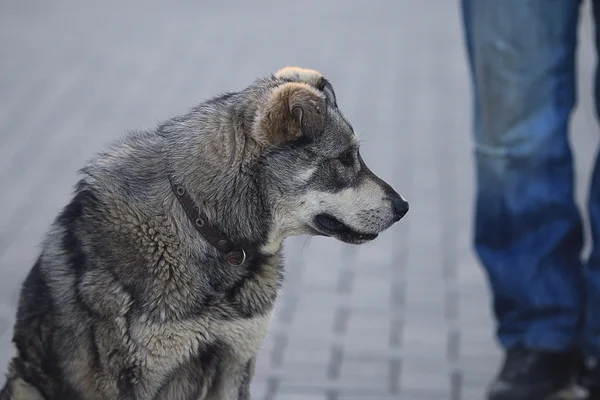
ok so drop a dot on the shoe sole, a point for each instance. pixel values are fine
(573, 392)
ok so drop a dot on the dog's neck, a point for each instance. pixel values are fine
(234, 254)
(214, 160)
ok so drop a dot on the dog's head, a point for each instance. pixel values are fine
(315, 177)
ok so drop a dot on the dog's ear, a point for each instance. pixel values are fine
(293, 111)
(310, 76)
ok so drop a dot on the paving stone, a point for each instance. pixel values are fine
(379, 373)
(373, 396)
(424, 381)
(305, 375)
(428, 394)
(300, 353)
(298, 396)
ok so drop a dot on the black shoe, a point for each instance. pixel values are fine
(533, 375)
(589, 378)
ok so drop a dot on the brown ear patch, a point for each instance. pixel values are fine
(310, 76)
(298, 74)
(293, 110)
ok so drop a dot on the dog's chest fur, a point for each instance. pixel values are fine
(169, 329)
(176, 307)
(170, 344)
(162, 349)
(163, 342)
(216, 340)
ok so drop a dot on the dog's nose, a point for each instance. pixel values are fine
(400, 208)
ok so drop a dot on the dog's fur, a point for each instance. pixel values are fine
(128, 301)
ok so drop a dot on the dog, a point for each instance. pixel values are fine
(159, 278)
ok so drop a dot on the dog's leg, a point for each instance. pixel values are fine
(17, 389)
(191, 381)
(233, 384)
(248, 374)
(5, 392)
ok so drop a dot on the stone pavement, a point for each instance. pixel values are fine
(406, 317)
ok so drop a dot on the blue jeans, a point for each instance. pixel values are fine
(528, 229)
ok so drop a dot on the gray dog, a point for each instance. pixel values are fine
(158, 279)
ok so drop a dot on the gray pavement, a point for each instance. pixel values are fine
(407, 317)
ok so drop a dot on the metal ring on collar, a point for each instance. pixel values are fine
(233, 259)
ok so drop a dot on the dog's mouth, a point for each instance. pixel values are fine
(330, 226)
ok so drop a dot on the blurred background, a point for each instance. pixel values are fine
(406, 317)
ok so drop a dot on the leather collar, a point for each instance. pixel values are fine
(234, 255)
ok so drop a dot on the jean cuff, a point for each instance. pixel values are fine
(542, 339)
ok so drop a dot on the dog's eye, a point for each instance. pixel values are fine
(347, 158)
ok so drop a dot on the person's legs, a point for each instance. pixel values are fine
(528, 232)
(591, 331)
(592, 316)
